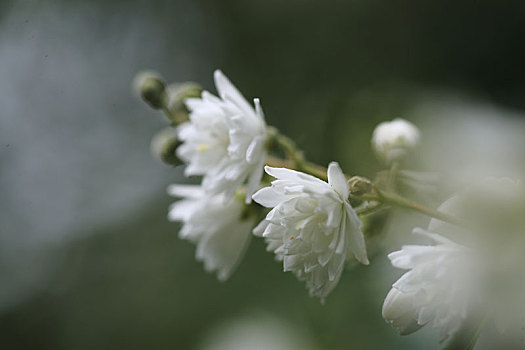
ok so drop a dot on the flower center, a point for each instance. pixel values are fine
(202, 147)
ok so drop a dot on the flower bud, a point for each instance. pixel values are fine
(359, 186)
(164, 145)
(151, 88)
(177, 94)
(399, 311)
(394, 139)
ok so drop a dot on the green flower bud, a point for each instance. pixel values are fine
(164, 144)
(177, 94)
(151, 88)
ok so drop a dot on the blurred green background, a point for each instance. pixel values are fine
(87, 257)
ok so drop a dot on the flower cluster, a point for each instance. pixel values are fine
(312, 228)
(316, 219)
(223, 141)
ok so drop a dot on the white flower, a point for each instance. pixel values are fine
(392, 140)
(437, 288)
(312, 228)
(218, 228)
(224, 140)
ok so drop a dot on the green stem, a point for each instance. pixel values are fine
(315, 170)
(395, 199)
(307, 167)
(475, 337)
(168, 113)
(392, 176)
(291, 150)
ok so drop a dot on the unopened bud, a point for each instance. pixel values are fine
(164, 144)
(398, 310)
(359, 186)
(393, 140)
(177, 94)
(150, 86)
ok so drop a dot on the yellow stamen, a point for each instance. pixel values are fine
(202, 147)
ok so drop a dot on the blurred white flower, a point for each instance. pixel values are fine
(490, 273)
(497, 205)
(392, 140)
(256, 331)
(312, 228)
(219, 229)
(437, 288)
(224, 140)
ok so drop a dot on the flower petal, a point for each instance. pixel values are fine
(357, 239)
(337, 180)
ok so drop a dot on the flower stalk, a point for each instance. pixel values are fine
(392, 176)
(306, 166)
(397, 200)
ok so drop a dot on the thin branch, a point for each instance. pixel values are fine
(395, 199)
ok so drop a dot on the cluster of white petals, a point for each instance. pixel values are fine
(219, 229)
(312, 228)
(437, 289)
(224, 140)
(392, 140)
